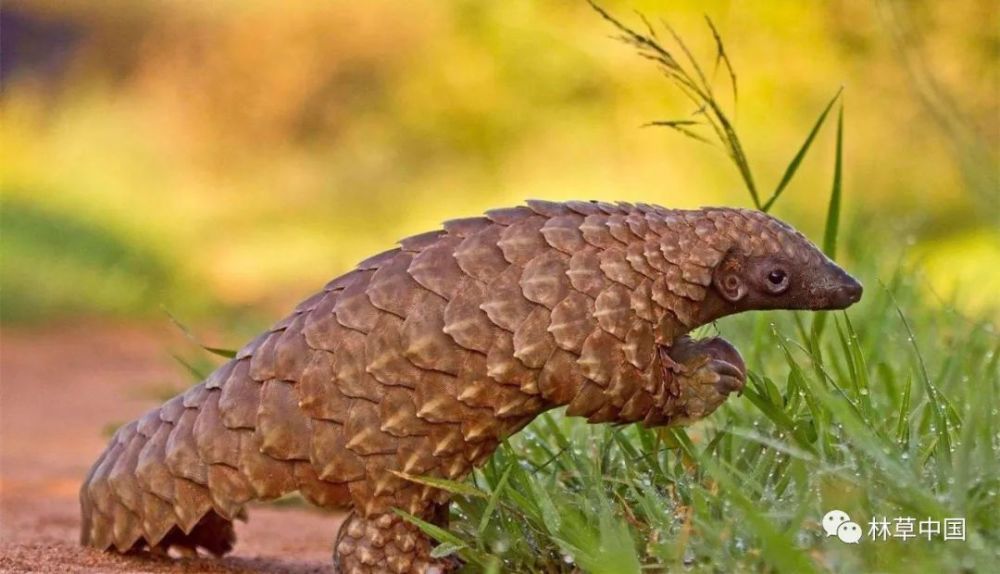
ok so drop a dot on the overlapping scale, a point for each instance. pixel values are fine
(419, 362)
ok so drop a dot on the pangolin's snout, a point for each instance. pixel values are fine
(837, 290)
(850, 292)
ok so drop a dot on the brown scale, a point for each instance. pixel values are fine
(425, 357)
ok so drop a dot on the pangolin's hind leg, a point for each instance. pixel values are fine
(213, 533)
(389, 543)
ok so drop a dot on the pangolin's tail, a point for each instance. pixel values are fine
(180, 475)
(155, 486)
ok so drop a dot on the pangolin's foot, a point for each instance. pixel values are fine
(714, 360)
(710, 370)
(386, 543)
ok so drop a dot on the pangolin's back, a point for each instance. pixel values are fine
(418, 362)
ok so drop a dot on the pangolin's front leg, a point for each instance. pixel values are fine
(709, 370)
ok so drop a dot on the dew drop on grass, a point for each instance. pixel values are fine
(864, 392)
(501, 546)
(740, 544)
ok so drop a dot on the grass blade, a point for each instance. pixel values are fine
(226, 353)
(454, 487)
(194, 371)
(451, 542)
(722, 57)
(793, 166)
(903, 426)
(494, 496)
(833, 211)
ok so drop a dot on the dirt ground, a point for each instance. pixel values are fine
(59, 387)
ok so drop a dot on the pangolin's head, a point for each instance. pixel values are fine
(717, 262)
(770, 265)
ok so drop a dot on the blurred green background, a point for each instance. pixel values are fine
(225, 159)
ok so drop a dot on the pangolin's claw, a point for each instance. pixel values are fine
(713, 358)
(709, 370)
(731, 378)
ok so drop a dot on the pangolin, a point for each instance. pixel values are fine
(423, 358)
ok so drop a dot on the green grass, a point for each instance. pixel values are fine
(889, 410)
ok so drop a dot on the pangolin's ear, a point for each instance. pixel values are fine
(728, 277)
(731, 287)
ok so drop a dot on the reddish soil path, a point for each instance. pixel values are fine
(59, 387)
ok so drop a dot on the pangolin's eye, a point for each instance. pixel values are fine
(777, 280)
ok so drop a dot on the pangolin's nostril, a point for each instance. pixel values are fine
(852, 291)
(856, 290)
(846, 292)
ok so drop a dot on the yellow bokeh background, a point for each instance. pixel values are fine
(235, 154)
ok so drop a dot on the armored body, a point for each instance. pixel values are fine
(423, 358)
